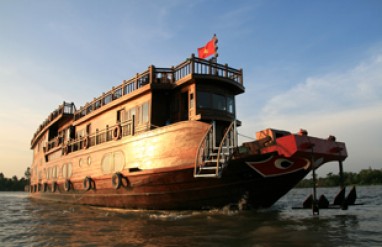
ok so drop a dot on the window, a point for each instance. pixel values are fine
(121, 116)
(231, 104)
(219, 102)
(108, 98)
(145, 112)
(216, 101)
(192, 101)
(129, 88)
(118, 93)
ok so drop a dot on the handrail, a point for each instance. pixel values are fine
(211, 162)
(231, 130)
(203, 143)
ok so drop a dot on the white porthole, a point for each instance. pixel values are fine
(113, 162)
(67, 170)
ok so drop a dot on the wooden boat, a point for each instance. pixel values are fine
(167, 139)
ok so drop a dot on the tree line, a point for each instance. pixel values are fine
(364, 177)
(14, 184)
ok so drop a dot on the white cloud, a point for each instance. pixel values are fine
(345, 104)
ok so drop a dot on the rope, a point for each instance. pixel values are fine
(248, 137)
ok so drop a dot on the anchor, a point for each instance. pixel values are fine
(340, 201)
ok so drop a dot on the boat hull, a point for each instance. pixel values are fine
(170, 189)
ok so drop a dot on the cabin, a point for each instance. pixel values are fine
(195, 90)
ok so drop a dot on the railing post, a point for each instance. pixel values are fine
(210, 67)
(192, 65)
(241, 76)
(133, 125)
(172, 74)
(152, 75)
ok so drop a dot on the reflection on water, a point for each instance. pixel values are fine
(26, 222)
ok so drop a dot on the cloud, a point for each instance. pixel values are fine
(358, 87)
(346, 104)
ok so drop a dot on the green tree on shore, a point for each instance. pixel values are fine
(364, 177)
(14, 184)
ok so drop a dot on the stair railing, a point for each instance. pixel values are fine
(210, 160)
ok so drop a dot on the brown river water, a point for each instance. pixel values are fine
(27, 222)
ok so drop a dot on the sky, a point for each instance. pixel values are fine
(315, 65)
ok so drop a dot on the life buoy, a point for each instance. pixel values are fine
(45, 187)
(67, 185)
(86, 142)
(54, 187)
(117, 132)
(88, 183)
(116, 180)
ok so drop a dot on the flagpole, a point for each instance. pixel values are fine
(216, 47)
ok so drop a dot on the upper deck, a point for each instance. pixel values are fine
(192, 68)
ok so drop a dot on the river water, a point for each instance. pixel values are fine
(27, 222)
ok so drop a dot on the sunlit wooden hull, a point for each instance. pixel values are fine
(170, 189)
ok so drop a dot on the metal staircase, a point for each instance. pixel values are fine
(210, 159)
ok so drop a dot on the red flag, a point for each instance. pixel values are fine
(207, 50)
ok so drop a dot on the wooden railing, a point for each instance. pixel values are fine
(126, 128)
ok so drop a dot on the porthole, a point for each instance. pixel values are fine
(113, 162)
(81, 162)
(67, 170)
(107, 163)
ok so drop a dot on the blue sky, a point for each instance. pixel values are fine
(315, 65)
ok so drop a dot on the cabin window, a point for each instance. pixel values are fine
(145, 112)
(83, 112)
(108, 98)
(231, 104)
(97, 104)
(206, 100)
(118, 93)
(219, 102)
(121, 116)
(89, 109)
(129, 88)
(88, 129)
(192, 100)
(130, 113)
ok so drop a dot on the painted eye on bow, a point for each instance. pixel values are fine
(283, 163)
